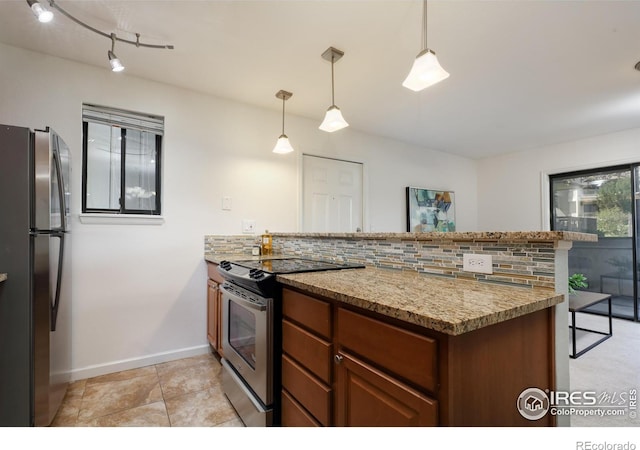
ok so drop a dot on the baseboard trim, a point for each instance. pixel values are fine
(136, 363)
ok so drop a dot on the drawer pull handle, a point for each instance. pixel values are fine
(338, 359)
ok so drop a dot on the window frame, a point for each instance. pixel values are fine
(585, 172)
(123, 164)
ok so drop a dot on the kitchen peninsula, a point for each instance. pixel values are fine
(413, 339)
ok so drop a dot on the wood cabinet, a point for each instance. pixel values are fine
(368, 396)
(307, 369)
(376, 364)
(343, 366)
(214, 308)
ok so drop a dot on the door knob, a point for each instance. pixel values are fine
(338, 359)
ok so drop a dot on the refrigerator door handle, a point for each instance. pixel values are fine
(61, 196)
(56, 296)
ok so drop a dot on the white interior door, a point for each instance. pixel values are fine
(332, 195)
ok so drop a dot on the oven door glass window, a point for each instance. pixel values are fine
(242, 332)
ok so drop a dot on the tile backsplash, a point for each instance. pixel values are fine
(240, 244)
(522, 263)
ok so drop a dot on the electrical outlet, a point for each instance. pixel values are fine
(477, 263)
(248, 225)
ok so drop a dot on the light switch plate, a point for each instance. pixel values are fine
(226, 203)
(477, 263)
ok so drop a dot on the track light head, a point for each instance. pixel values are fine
(116, 64)
(42, 13)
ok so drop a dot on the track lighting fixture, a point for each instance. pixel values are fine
(42, 13)
(45, 15)
(283, 145)
(426, 69)
(333, 120)
(116, 64)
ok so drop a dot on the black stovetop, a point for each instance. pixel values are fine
(294, 265)
(259, 276)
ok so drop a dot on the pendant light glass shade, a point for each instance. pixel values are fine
(426, 71)
(283, 145)
(333, 120)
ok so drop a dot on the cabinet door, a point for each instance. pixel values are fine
(366, 396)
(213, 334)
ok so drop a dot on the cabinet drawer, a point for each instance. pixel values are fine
(307, 349)
(212, 272)
(294, 415)
(312, 313)
(398, 351)
(314, 395)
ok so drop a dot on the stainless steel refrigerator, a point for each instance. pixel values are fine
(35, 299)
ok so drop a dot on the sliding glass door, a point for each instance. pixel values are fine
(603, 202)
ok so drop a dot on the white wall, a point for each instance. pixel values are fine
(513, 190)
(513, 194)
(139, 290)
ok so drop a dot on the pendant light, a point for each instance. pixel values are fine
(333, 120)
(116, 64)
(283, 145)
(426, 69)
(42, 13)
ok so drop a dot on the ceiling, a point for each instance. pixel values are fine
(524, 73)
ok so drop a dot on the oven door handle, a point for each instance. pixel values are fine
(243, 302)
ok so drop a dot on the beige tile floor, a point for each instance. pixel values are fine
(182, 393)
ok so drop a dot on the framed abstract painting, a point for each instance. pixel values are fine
(430, 210)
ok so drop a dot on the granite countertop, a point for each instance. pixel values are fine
(544, 236)
(451, 306)
(3, 276)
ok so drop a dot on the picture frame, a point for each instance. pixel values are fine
(430, 210)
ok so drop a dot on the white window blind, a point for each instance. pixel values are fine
(126, 119)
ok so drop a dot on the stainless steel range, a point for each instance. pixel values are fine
(252, 343)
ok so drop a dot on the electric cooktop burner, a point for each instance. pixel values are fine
(294, 265)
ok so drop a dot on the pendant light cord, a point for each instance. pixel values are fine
(283, 100)
(333, 102)
(424, 24)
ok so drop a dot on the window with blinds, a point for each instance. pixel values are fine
(121, 161)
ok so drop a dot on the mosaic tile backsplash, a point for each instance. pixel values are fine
(522, 263)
